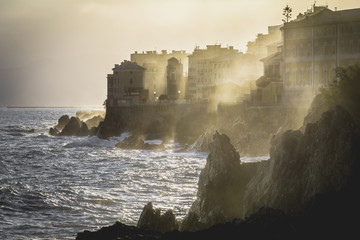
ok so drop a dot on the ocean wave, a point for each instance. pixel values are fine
(88, 142)
(17, 129)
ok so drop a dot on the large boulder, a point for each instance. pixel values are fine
(152, 219)
(302, 166)
(72, 128)
(221, 187)
(63, 120)
(54, 131)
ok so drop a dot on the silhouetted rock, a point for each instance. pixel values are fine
(84, 130)
(221, 187)
(315, 111)
(151, 219)
(323, 159)
(63, 120)
(118, 231)
(72, 128)
(54, 132)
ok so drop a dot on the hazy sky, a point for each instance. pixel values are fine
(58, 52)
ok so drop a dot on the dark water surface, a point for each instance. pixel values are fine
(54, 187)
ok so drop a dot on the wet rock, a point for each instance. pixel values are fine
(131, 142)
(63, 120)
(118, 231)
(72, 128)
(54, 132)
(323, 159)
(152, 219)
(84, 130)
(221, 187)
(137, 142)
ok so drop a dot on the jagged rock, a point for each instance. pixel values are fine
(54, 132)
(93, 131)
(84, 130)
(303, 165)
(315, 111)
(202, 143)
(63, 120)
(221, 187)
(72, 128)
(153, 220)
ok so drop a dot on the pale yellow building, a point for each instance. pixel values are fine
(126, 84)
(315, 44)
(156, 73)
(215, 66)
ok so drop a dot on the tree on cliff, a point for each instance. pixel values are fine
(345, 91)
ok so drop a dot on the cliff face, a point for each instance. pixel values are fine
(221, 187)
(302, 166)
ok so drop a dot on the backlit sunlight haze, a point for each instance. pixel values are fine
(58, 53)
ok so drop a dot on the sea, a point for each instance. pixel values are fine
(54, 187)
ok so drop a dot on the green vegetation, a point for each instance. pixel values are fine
(345, 91)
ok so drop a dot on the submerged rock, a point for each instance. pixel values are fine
(137, 142)
(152, 219)
(54, 132)
(221, 187)
(321, 160)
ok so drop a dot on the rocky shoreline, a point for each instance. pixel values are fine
(309, 188)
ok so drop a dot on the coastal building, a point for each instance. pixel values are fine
(216, 65)
(175, 84)
(126, 84)
(156, 69)
(265, 44)
(270, 85)
(315, 44)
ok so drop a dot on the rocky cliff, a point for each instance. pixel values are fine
(302, 166)
(221, 187)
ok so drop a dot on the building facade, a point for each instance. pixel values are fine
(126, 84)
(174, 79)
(215, 66)
(270, 85)
(156, 69)
(265, 44)
(315, 44)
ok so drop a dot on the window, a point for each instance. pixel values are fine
(325, 48)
